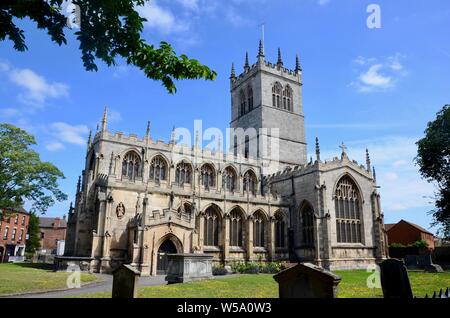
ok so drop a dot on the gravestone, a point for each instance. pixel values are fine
(395, 280)
(125, 282)
(188, 267)
(306, 280)
(411, 262)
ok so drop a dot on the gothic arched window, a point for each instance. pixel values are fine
(287, 98)
(242, 103)
(185, 208)
(236, 228)
(259, 231)
(158, 169)
(280, 230)
(208, 176)
(347, 202)
(212, 227)
(250, 98)
(247, 147)
(183, 173)
(131, 166)
(276, 95)
(307, 226)
(229, 179)
(250, 182)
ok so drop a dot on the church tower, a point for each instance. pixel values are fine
(268, 98)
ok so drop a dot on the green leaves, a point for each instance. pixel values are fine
(109, 29)
(434, 161)
(23, 175)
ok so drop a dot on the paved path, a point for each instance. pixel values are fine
(104, 285)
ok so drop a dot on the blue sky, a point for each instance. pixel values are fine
(374, 88)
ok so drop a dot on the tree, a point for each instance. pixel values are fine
(34, 238)
(108, 29)
(434, 161)
(22, 173)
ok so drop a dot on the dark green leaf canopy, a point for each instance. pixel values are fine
(109, 29)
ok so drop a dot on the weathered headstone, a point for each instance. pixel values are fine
(125, 282)
(395, 280)
(307, 281)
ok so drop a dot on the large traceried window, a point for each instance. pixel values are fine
(259, 229)
(158, 169)
(212, 227)
(250, 98)
(250, 182)
(307, 226)
(276, 95)
(183, 174)
(236, 228)
(242, 103)
(208, 176)
(229, 179)
(347, 202)
(280, 230)
(287, 98)
(131, 166)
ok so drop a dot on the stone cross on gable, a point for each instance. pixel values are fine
(344, 148)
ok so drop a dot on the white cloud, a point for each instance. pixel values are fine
(161, 19)
(380, 75)
(54, 146)
(70, 134)
(36, 87)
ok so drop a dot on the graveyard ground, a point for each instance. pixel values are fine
(25, 278)
(353, 285)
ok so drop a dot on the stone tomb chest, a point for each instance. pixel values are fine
(188, 267)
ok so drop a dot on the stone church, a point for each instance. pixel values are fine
(140, 199)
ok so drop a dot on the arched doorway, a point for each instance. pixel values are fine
(167, 247)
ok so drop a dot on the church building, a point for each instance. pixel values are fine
(139, 199)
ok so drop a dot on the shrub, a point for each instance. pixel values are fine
(420, 244)
(219, 271)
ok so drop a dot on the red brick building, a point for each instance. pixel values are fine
(52, 231)
(407, 233)
(13, 234)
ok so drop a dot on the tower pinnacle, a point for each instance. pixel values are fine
(298, 67)
(233, 72)
(280, 60)
(368, 163)
(317, 149)
(261, 49)
(247, 64)
(105, 119)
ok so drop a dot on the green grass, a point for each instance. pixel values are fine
(353, 285)
(26, 277)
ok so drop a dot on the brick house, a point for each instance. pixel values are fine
(13, 234)
(52, 231)
(407, 233)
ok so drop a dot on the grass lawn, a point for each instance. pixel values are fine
(26, 277)
(353, 285)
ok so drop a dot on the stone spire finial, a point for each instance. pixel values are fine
(172, 138)
(247, 64)
(280, 60)
(368, 163)
(219, 144)
(89, 142)
(344, 149)
(71, 207)
(298, 67)
(317, 149)
(374, 174)
(261, 49)
(233, 72)
(79, 185)
(197, 139)
(105, 119)
(147, 132)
